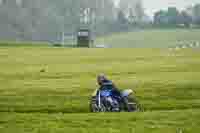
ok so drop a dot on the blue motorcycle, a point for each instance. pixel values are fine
(106, 101)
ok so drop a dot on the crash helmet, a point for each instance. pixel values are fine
(101, 78)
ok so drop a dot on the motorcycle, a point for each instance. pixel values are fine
(105, 101)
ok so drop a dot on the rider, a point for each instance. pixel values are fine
(105, 83)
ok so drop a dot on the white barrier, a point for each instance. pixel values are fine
(184, 47)
(101, 46)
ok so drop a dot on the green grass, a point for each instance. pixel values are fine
(155, 38)
(23, 44)
(147, 122)
(166, 82)
(160, 80)
(47, 89)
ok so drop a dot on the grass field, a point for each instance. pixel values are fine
(151, 38)
(31, 100)
(46, 90)
(186, 121)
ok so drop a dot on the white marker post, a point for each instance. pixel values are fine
(191, 45)
(197, 44)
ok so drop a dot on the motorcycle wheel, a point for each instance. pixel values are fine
(94, 107)
(130, 104)
(111, 105)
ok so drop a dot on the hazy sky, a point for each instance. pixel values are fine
(154, 5)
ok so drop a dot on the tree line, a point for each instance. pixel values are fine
(173, 17)
(45, 20)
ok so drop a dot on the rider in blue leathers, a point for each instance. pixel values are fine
(107, 84)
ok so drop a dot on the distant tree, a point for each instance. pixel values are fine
(132, 9)
(185, 19)
(139, 11)
(173, 16)
(121, 18)
(196, 12)
(160, 18)
(131, 17)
